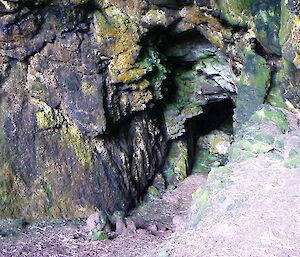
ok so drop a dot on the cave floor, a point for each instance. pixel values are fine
(259, 218)
(69, 238)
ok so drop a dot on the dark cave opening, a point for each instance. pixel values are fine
(218, 115)
(179, 53)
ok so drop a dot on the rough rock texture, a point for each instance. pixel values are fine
(93, 92)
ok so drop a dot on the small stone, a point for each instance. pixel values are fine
(153, 192)
(91, 222)
(179, 222)
(131, 227)
(153, 229)
(97, 221)
(120, 227)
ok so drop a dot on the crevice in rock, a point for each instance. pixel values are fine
(218, 115)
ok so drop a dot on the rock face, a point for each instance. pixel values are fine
(98, 97)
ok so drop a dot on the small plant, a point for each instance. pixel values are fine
(97, 235)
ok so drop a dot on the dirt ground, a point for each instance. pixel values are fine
(263, 219)
(260, 218)
(69, 238)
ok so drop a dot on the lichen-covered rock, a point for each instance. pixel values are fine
(236, 12)
(212, 151)
(261, 134)
(253, 86)
(289, 34)
(176, 167)
(210, 80)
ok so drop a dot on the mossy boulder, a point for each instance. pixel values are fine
(235, 12)
(211, 151)
(289, 32)
(252, 88)
(261, 134)
(176, 165)
(272, 115)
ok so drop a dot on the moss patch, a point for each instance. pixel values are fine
(273, 115)
(292, 163)
(203, 197)
(96, 235)
(47, 117)
(74, 140)
(252, 88)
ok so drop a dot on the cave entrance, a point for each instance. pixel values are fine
(197, 100)
(209, 136)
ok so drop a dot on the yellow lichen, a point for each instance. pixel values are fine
(120, 36)
(45, 116)
(209, 26)
(72, 137)
(297, 60)
(157, 17)
(87, 89)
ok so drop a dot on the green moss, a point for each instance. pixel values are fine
(268, 139)
(200, 203)
(252, 88)
(254, 147)
(97, 235)
(239, 155)
(285, 23)
(203, 161)
(176, 162)
(193, 108)
(279, 144)
(273, 115)
(217, 180)
(152, 61)
(219, 171)
(181, 167)
(38, 90)
(275, 98)
(153, 192)
(72, 137)
(47, 117)
(292, 153)
(185, 89)
(5, 185)
(256, 72)
(4, 192)
(292, 163)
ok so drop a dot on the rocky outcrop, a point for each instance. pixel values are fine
(98, 97)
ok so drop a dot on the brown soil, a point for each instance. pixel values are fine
(69, 238)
